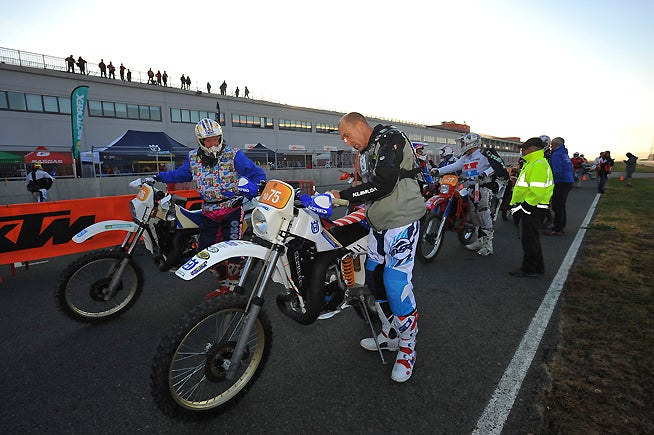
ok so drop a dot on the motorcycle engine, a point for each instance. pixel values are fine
(300, 255)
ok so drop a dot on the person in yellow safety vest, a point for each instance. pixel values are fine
(530, 201)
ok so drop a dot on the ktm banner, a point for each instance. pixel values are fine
(44, 229)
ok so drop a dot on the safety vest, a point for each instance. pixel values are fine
(535, 182)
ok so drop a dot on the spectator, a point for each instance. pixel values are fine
(630, 168)
(183, 80)
(70, 64)
(530, 200)
(188, 82)
(164, 78)
(112, 71)
(208, 87)
(394, 206)
(158, 77)
(236, 91)
(103, 68)
(129, 75)
(81, 64)
(563, 178)
(223, 88)
(603, 170)
(122, 71)
(150, 77)
(246, 93)
(38, 182)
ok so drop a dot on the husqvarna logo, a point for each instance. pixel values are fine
(315, 228)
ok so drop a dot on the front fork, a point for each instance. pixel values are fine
(254, 307)
(128, 245)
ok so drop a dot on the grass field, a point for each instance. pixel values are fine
(602, 374)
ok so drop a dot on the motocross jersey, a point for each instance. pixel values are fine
(392, 196)
(535, 182)
(215, 184)
(471, 165)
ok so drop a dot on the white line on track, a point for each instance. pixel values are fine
(499, 406)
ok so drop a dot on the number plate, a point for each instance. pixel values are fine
(276, 194)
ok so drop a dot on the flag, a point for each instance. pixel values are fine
(77, 107)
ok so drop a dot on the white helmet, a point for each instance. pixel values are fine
(469, 141)
(207, 128)
(446, 151)
(547, 142)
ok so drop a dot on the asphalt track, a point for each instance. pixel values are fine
(60, 376)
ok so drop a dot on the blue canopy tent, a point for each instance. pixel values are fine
(138, 148)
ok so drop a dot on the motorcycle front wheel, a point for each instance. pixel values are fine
(82, 291)
(431, 239)
(189, 372)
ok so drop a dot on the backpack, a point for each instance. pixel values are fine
(496, 162)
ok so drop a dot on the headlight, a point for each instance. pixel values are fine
(259, 224)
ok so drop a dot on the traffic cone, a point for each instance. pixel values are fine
(583, 178)
(621, 177)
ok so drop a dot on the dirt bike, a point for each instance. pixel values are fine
(213, 355)
(103, 284)
(448, 209)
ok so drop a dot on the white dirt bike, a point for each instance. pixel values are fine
(102, 285)
(213, 355)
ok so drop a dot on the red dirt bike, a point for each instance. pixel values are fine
(448, 209)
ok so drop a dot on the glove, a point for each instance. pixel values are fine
(247, 188)
(483, 178)
(151, 180)
(434, 172)
(320, 204)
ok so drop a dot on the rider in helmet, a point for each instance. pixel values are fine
(38, 182)
(478, 171)
(216, 169)
(422, 160)
(578, 168)
(447, 156)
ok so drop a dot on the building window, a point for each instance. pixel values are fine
(64, 105)
(132, 111)
(50, 104)
(155, 113)
(3, 100)
(144, 112)
(121, 110)
(252, 121)
(16, 101)
(108, 109)
(34, 103)
(95, 108)
(287, 124)
(322, 127)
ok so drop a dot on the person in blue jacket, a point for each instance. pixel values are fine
(563, 180)
(216, 169)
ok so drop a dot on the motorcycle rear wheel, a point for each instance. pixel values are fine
(188, 379)
(430, 241)
(82, 289)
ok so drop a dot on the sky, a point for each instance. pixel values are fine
(579, 69)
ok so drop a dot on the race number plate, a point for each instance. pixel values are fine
(144, 192)
(276, 194)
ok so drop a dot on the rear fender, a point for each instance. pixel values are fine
(214, 254)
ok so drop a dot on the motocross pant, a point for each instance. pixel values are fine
(394, 249)
(482, 209)
(217, 227)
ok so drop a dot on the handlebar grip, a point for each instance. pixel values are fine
(340, 202)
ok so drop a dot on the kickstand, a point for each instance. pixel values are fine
(366, 315)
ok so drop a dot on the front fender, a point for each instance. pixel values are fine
(214, 254)
(101, 227)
